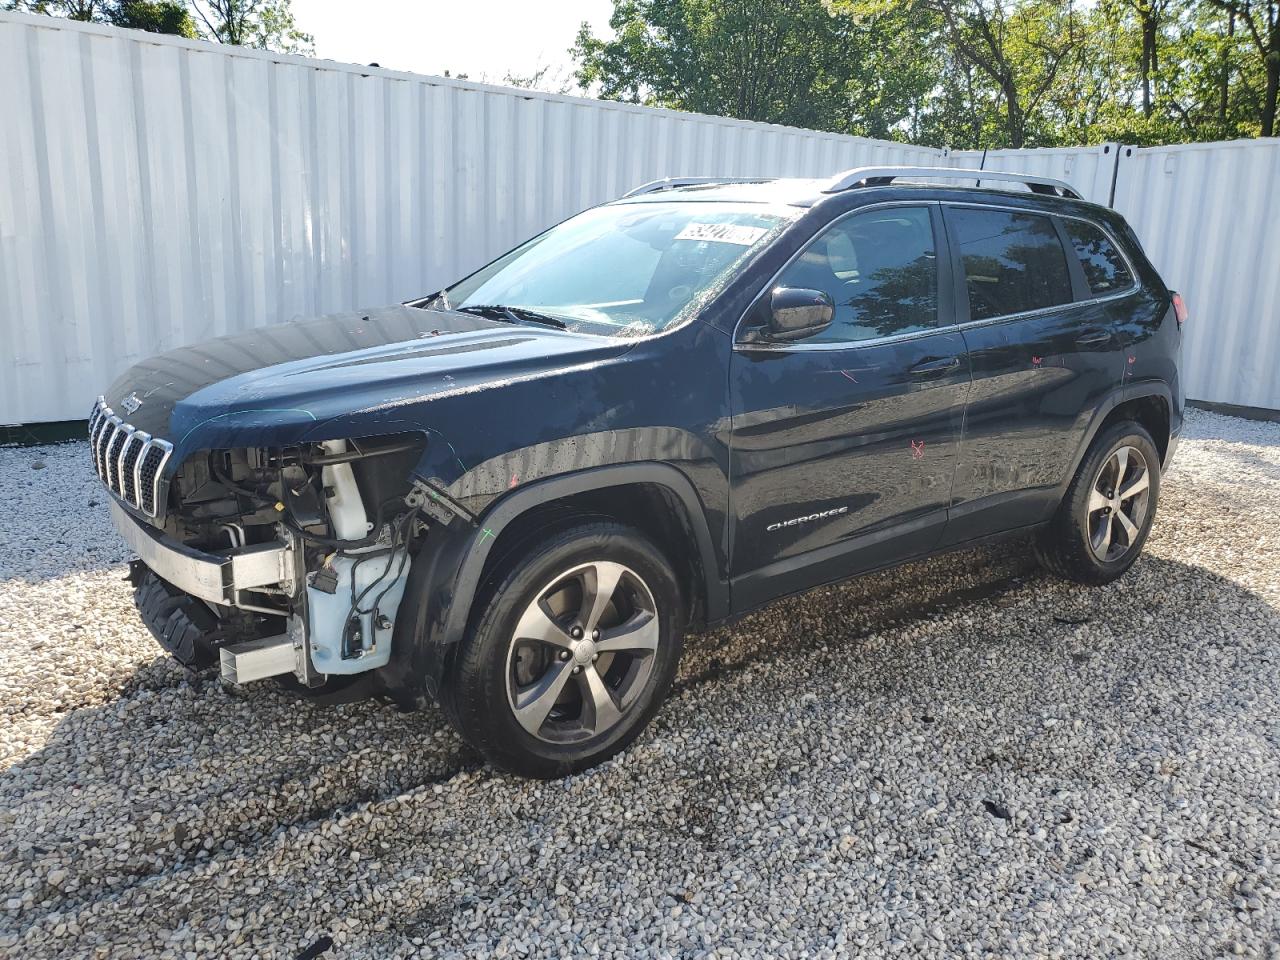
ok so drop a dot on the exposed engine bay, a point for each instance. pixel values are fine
(314, 543)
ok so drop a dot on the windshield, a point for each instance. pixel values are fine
(625, 270)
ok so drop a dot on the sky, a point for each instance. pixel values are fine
(485, 39)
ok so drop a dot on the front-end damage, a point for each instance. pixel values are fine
(286, 562)
(445, 416)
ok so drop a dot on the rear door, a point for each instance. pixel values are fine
(1044, 353)
(844, 444)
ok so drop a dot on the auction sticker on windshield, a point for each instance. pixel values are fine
(722, 233)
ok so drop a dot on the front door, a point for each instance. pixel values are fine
(844, 444)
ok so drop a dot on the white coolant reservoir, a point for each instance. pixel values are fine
(371, 578)
(346, 509)
(328, 613)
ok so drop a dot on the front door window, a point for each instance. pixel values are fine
(880, 270)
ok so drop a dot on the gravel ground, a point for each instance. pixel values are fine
(960, 757)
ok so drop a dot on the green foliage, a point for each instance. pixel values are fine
(792, 62)
(154, 16)
(965, 73)
(267, 24)
(88, 11)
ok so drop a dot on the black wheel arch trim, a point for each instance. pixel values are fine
(446, 575)
(1132, 391)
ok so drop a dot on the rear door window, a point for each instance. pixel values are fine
(1104, 265)
(1013, 262)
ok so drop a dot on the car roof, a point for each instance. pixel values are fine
(806, 192)
(791, 191)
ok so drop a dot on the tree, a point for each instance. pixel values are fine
(154, 16)
(267, 24)
(543, 77)
(1019, 47)
(1151, 16)
(900, 71)
(88, 11)
(777, 61)
(1261, 21)
(1136, 71)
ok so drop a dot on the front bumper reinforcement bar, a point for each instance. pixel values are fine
(217, 578)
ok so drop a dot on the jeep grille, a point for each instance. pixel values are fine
(127, 460)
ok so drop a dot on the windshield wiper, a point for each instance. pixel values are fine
(498, 311)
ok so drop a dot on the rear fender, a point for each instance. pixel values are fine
(1133, 391)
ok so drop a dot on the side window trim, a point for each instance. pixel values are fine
(959, 292)
(948, 305)
(1073, 264)
(1080, 291)
(945, 296)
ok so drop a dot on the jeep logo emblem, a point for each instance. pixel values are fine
(131, 403)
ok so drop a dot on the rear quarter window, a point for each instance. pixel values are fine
(1013, 262)
(1104, 265)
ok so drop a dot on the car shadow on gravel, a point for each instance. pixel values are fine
(175, 770)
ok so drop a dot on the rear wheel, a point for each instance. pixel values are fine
(572, 652)
(1104, 519)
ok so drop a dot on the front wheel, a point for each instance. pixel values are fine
(572, 652)
(1104, 519)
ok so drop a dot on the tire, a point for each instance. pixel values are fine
(187, 629)
(181, 624)
(527, 687)
(1075, 545)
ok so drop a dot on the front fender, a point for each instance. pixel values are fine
(446, 574)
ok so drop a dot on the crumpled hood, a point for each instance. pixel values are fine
(334, 376)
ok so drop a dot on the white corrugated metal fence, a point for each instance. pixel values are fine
(1209, 218)
(156, 191)
(1208, 215)
(1091, 170)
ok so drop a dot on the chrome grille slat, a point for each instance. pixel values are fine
(104, 440)
(113, 459)
(150, 489)
(137, 465)
(130, 462)
(98, 437)
(124, 466)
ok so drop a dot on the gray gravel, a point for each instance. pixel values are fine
(958, 758)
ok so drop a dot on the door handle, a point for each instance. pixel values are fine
(935, 368)
(1094, 338)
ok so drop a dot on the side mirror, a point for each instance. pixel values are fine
(796, 313)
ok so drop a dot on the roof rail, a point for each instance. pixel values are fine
(671, 183)
(881, 176)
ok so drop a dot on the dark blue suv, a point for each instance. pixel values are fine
(514, 496)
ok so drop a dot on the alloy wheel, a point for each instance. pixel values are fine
(1118, 503)
(582, 652)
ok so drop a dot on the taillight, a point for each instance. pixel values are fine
(1179, 309)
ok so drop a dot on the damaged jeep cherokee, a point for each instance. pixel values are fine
(513, 497)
